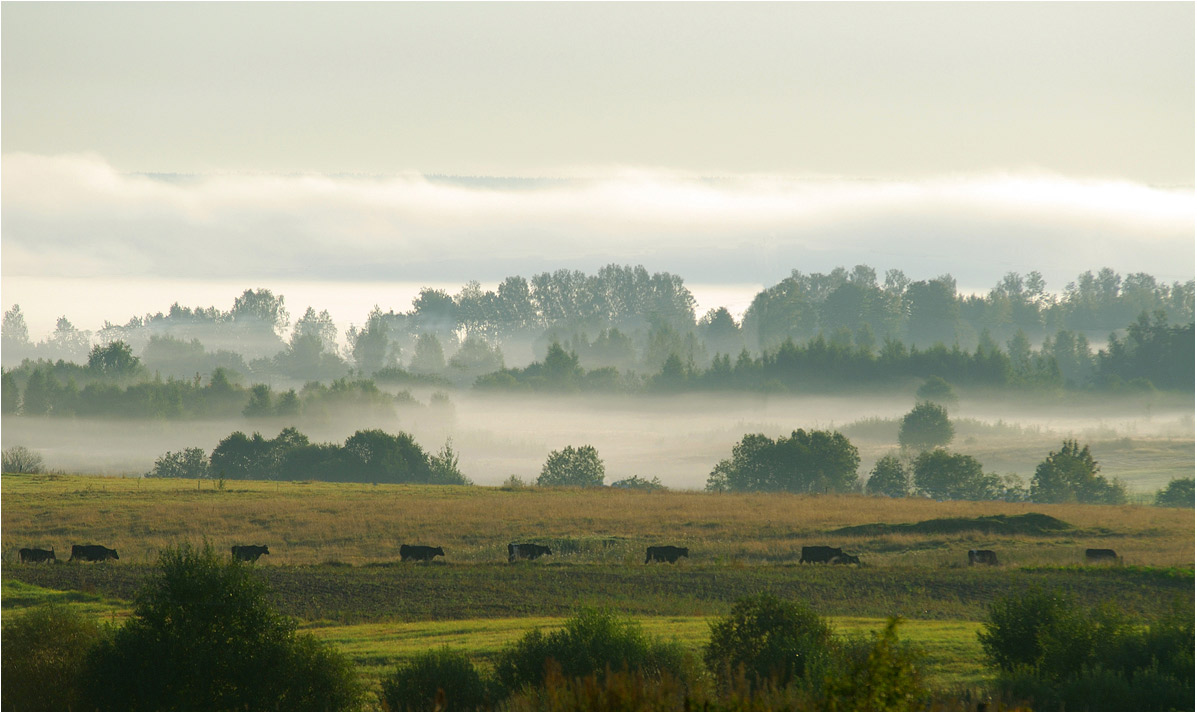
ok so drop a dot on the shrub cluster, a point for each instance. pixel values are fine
(203, 637)
(1054, 654)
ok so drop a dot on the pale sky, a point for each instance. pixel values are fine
(877, 90)
(728, 143)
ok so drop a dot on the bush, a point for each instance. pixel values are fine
(19, 460)
(572, 467)
(440, 680)
(1178, 494)
(203, 636)
(1054, 654)
(635, 483)
(188, 463)
(591, 643)
(43, 653)
(879, 675)
(773, 640)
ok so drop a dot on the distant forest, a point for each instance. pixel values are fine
(621, 329)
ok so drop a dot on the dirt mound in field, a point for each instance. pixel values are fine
(1023, 524)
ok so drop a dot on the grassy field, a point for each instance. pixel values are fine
(358, 524)
(334, 558)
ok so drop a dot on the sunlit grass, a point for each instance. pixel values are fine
(953, 652)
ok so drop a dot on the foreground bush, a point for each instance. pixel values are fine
(592, 643)
(1054, 654)
(883, 674)
(43, 652)
(204, 637)
(769, 639)
(437, 680)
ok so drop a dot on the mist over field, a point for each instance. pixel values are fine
(677, 439)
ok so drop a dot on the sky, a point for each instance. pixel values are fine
(730, 143)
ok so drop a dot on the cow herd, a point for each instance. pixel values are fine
(532, 551)
(78, 552)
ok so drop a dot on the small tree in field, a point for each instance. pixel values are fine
(889, 478)
(19, 460)
(572, 467)
(925, 427)
(1070, 475)
(944, 475)
(1178, 494)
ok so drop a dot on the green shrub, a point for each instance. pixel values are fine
(1178, 494)
(884, 674)
(1055, 655)
(441, 680)
(771, 640)
(43, 653)
(591, 643)
(203, 636)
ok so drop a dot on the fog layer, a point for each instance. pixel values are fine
(1145, 440)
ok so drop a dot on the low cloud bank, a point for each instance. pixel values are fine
(75, 215)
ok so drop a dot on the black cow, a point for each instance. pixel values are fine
(827, 554)
(419, 552)
(92, 553)
(984, 557)
(665, 553)
(37, 555)
(249, 553)
(530, 551)
(1095, 555)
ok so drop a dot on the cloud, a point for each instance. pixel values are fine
(75, 215)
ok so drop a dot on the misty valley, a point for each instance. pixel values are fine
(620, 361)
(899, 477)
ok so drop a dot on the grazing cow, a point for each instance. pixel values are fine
(826, 554)
(665, 553)
(37, 555)
(984, 557)
(92, 553)
(1095, 555)
(419, 552)
(249, 553)
(530, 551)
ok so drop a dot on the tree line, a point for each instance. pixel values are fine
(368, 456)
(115, 382)
(626, 318)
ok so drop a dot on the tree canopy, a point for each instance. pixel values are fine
(1071, 475)
(805, 462)
(925, 427)
(572, 467)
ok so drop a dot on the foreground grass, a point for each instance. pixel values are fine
(312, 523)
(953, 652)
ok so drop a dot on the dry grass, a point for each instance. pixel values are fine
(306, 523)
